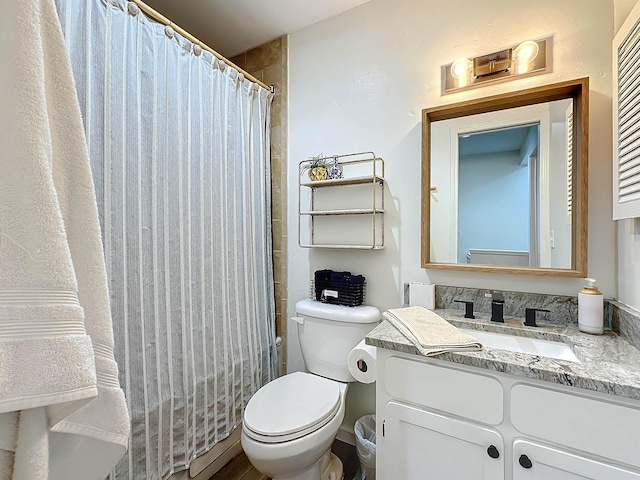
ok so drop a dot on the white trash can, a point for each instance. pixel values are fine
(365, 431)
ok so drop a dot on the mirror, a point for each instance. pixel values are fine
(504, 182)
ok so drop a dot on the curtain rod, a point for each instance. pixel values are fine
(164, 20)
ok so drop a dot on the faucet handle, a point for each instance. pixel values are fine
(497, 311)
(468, 308)
(530, 316)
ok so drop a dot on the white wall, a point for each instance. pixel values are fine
(359, 81)
(628, 230)
(629, 262)
(621, 9)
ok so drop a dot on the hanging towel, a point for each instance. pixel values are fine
(56, 339)
(429, 332)
(24, 449)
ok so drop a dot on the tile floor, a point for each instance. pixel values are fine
(241, 469)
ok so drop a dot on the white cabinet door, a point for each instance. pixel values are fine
(537, 462)
(420, 445)
(585, 424)
(446, 391)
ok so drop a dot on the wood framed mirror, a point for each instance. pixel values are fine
(504, 182)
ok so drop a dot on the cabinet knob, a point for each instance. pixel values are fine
(525, 462)
(493, 452)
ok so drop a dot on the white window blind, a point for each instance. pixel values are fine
(626, 154)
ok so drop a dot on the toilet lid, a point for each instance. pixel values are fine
(297, 402)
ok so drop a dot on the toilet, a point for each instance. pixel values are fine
(290, 424)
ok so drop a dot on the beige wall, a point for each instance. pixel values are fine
(621, 9)
(268, 63)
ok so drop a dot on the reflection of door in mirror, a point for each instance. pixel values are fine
(501, 186)
(495, 169)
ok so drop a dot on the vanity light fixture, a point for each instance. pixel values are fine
(530, 57)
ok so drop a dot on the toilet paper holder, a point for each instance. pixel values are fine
(362, 362)
(362, 365)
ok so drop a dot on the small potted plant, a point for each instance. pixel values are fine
(317, 168)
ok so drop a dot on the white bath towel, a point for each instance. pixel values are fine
(24, 445)
(429, 332)
(56, 339)
(8, 443)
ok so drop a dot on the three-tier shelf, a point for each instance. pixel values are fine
(343, 213)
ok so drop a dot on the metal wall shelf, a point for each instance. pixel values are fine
(354, 211)
(353, 162)
(343, 181)
(345, 247)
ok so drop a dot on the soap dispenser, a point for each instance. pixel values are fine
(590, 308)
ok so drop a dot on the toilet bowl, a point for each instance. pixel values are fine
(290, 425)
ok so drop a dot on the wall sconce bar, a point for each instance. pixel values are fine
(532, 57)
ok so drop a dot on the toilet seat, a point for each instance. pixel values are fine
(290, 407)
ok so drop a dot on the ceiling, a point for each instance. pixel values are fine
(233, 26)
(494, 141)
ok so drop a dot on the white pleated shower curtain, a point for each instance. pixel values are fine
(179, 149)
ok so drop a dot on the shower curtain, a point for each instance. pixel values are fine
(179, 150)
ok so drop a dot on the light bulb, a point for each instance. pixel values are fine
(460, 71)
(524, 55)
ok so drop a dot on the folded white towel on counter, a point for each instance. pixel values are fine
(56, 338)
(429, 332)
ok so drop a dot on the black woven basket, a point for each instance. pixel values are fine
(338, 288)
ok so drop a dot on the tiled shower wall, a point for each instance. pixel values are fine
(268, 63)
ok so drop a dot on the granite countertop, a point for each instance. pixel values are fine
(609, 364)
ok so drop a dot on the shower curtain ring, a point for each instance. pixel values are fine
(133, 8)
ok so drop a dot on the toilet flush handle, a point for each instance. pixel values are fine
(300, 320)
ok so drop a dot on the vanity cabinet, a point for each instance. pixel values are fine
(439, 420)
(423, 444)
(532, 461)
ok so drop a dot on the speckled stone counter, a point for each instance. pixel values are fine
(609, 364)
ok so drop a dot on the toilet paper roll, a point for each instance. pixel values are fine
(362, 363)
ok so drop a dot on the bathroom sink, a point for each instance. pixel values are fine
(532, 346)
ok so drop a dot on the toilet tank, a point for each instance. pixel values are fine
(328, 333)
